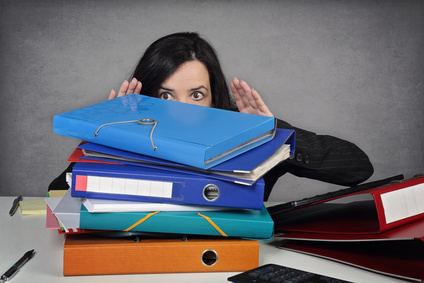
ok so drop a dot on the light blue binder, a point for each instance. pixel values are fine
(194, 135)
(177, 188)
(254, 224)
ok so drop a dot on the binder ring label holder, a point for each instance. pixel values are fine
(209, 258)
(144, 121)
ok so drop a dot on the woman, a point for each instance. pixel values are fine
(184, 67)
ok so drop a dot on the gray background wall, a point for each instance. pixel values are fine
(353, 69)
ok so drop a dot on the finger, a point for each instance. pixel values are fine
(132, 86)
(123, 89)
(257, 98)
(262, 107)
(237, 86)
(248, 98)
(241, 91)
(138, 88)
(112, 94)
(235, 92)
(237, 97)
(235, 81)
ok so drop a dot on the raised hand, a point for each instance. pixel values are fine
(126, 88)
(248, 100)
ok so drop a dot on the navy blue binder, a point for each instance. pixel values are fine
(137, 183)
(245, 168)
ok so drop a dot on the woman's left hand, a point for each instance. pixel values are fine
(248, 100)
(126, 88)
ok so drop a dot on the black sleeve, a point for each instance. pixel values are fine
(322, 157)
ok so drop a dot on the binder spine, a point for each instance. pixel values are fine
(97, 256)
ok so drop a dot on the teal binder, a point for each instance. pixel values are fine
(194, 135)
(252, 224)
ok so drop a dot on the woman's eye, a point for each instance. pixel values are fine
(166, 96)
(197, 95)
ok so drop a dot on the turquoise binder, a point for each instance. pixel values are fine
(252, 224)
(194, 135)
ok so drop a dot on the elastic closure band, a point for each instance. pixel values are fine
(156, 212)
(141, 220)
(213, 224)
(145, 121)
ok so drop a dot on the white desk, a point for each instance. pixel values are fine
(21, 233)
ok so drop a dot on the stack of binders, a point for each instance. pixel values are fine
(380, 229)
(186, 180)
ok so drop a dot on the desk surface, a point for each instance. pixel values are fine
(21, 233)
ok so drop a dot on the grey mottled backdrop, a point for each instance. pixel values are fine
(353, 69)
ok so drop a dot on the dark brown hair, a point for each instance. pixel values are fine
(166, 54)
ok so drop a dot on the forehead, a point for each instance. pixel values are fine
(191, 72)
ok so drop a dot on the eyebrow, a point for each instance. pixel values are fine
(164, 88)
(199, 87)
(192, 89)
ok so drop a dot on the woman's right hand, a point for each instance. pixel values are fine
(126, 88)
(248, 100)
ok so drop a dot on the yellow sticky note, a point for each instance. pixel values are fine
(56, 193)
(34, 206)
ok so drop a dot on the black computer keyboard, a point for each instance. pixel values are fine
(276, 273)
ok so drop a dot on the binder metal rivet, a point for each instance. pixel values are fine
(209, 258)
(211, 192)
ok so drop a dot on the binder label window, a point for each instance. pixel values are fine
(403, 203)
(126, 186)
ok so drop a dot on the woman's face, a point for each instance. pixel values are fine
(188, 84)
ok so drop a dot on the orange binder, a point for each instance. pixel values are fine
(89, 254)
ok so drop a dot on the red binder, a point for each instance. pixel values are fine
(411, 231)
(366, 212)
(402, 259)
(78, 153)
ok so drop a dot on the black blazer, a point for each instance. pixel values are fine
(319, 157)
(322, 157)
